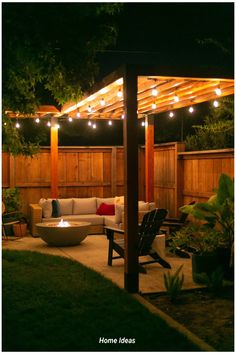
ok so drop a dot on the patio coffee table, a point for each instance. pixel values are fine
(63, 233)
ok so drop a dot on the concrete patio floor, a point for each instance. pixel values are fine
(92, 252)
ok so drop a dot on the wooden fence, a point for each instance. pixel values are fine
(98, 171)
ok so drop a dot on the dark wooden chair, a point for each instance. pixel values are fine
(148, 230)
(175, 224)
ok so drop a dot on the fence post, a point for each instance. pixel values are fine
(113, 171)
(179, 177)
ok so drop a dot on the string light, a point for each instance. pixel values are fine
(49, 124)
(123, 116)
(78, 114)
(218, 91)
(17, 125)
(102, 102)
(154, 106)
(57, 126)
(4, 123)
(89, 123)
(70, 119)
(171, 114)
(119, 93)
(94, 126)
(143, 124)
(110, 122)
(191, 109)
(176, 98)
(37, 120)
(154, 92)
(216, 104)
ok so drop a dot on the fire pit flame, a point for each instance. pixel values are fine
(63, 223)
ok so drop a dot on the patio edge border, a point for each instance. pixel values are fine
(175, 325)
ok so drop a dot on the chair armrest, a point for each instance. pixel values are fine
(35, 218)
(172, 224)
(110, 232)
(172, 220)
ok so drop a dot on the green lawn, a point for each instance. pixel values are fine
(54, 304)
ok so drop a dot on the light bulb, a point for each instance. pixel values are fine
(176, 98)
(218, 91)
(4, 123)
(123, 116)
(94, 126)
(191, 109)
(70, 119)
(48, 124)
(89, 123)
(119, 93)
(171, 114)
(154, 106)
(37, 120)
(154, 92)
(102, 102)
(216, 104)
(78, 114)
(143, 124)
(17, 125)
(110, 122)
(89, 109)
(57, 126)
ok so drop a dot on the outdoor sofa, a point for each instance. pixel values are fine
(99, 212)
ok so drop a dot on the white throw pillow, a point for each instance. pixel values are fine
(105, 200)
(66, 206)
(143, 206)
(118, 213)
(46, 205)
(84, 205)
(120, 200)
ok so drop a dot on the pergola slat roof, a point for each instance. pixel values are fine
(189, 91)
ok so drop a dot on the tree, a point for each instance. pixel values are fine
(49, 50)
(217, 132)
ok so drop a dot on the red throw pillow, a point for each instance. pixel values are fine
(106, 209)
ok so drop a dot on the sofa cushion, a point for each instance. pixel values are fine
(105, 200)
(120, 200)
(109, 220)
(118, 213)
(84, 206)
(106, 209)
(56, 210)
(92, 218)
(142, 206)
(46, 205)
(66, 206)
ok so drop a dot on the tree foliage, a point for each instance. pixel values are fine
(49, 50)
(217, 132)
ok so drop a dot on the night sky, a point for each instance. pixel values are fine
(169, 34)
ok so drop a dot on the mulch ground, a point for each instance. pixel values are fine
(209, 316)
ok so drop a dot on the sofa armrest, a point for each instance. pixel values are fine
(36, 213)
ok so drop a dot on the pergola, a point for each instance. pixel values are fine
(131, 93)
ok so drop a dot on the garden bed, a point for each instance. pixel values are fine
(209, 316)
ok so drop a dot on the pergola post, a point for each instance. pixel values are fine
(54, 158)
(149, 158)
(131, 276)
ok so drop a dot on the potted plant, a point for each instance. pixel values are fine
(218, 214)
(12, 216)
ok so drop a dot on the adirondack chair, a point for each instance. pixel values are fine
(175, 224)
(148, 230)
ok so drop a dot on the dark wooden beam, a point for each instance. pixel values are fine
(131, 276)
(149, 158)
